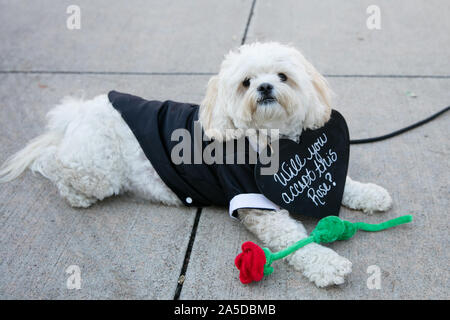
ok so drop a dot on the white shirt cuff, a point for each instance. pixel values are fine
(250, 201)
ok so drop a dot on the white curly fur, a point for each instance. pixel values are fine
(367, 197)
(90, 153)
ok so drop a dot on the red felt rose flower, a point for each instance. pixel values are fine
(250, 263)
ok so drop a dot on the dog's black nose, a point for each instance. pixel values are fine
(265, 88)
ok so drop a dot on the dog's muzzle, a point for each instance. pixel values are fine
(267, 100)
(266, 94)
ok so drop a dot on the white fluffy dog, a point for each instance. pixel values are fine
(90, 153)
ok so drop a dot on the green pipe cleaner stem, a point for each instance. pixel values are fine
(313, 238)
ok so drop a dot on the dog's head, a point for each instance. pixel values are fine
(265, 86)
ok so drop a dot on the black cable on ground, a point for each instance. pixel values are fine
(396, 133)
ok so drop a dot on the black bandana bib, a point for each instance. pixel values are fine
(311, 176)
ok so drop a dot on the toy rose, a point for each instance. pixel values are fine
(255, 262)
(250, 262)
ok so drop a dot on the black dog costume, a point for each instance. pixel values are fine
(153, 122)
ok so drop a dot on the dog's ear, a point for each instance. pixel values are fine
(208, 103)
(213, 116)
(320, 109)
(212, 113)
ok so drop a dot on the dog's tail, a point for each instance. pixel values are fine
(19, 162)
(58, 120)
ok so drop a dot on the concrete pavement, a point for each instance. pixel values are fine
(129, 249)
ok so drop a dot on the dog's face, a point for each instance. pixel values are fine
(265, 86)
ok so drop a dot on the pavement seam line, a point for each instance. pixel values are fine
(187, 256)
(137, 73)
(395, 76)
(182, 276)
(250, 15)
(131, 73)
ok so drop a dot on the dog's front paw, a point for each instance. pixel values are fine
(367, 197)
(376, 198)
(321, 265)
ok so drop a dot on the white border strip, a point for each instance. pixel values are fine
(250, 201)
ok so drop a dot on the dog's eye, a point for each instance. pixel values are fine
(282, 76)
(246, 82)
